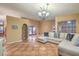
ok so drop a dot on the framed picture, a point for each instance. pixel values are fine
(14, 26)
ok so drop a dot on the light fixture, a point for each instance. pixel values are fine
(69, 22)
(43, 13)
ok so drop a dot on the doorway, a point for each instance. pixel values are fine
(24, 33)
(32, 34)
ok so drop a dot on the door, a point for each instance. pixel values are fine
(31, 30)
(32, 34)
(24, 33)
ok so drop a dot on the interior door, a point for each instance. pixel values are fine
(24, 33)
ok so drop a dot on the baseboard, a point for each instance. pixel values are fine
(13, 42)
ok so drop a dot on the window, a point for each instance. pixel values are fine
(67, 26)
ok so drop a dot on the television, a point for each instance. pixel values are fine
(46, 34)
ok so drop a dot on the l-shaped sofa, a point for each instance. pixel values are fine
(66, 47)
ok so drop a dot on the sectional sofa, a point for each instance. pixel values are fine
(69, 48)
(52, 37)
(66, 47)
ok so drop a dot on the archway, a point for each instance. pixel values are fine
(24, 33)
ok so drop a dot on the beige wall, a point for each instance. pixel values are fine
(68, 17)
(46, 26)
(15, 35)
(42, 26)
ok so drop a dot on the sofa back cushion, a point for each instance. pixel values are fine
(69, 36)
(62, 35)
(56, 34)
(51, 34)
(65, 34)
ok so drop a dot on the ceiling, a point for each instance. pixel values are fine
(30, 10)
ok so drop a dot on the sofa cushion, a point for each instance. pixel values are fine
(68, 48)
(69, 36)
(51, 34)
(56, 39)
(65, 35)
(62, 35)
(55, 34)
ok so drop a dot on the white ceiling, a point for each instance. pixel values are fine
(29, 10)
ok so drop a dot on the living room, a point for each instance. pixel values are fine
(59, 33)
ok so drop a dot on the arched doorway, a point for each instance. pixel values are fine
(24, 33)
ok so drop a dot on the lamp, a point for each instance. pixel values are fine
(43, 13)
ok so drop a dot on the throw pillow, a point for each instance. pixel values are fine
(62, 36)
(51, 34)
(46, 34)
(69, 36)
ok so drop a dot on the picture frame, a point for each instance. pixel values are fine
(14, 26)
